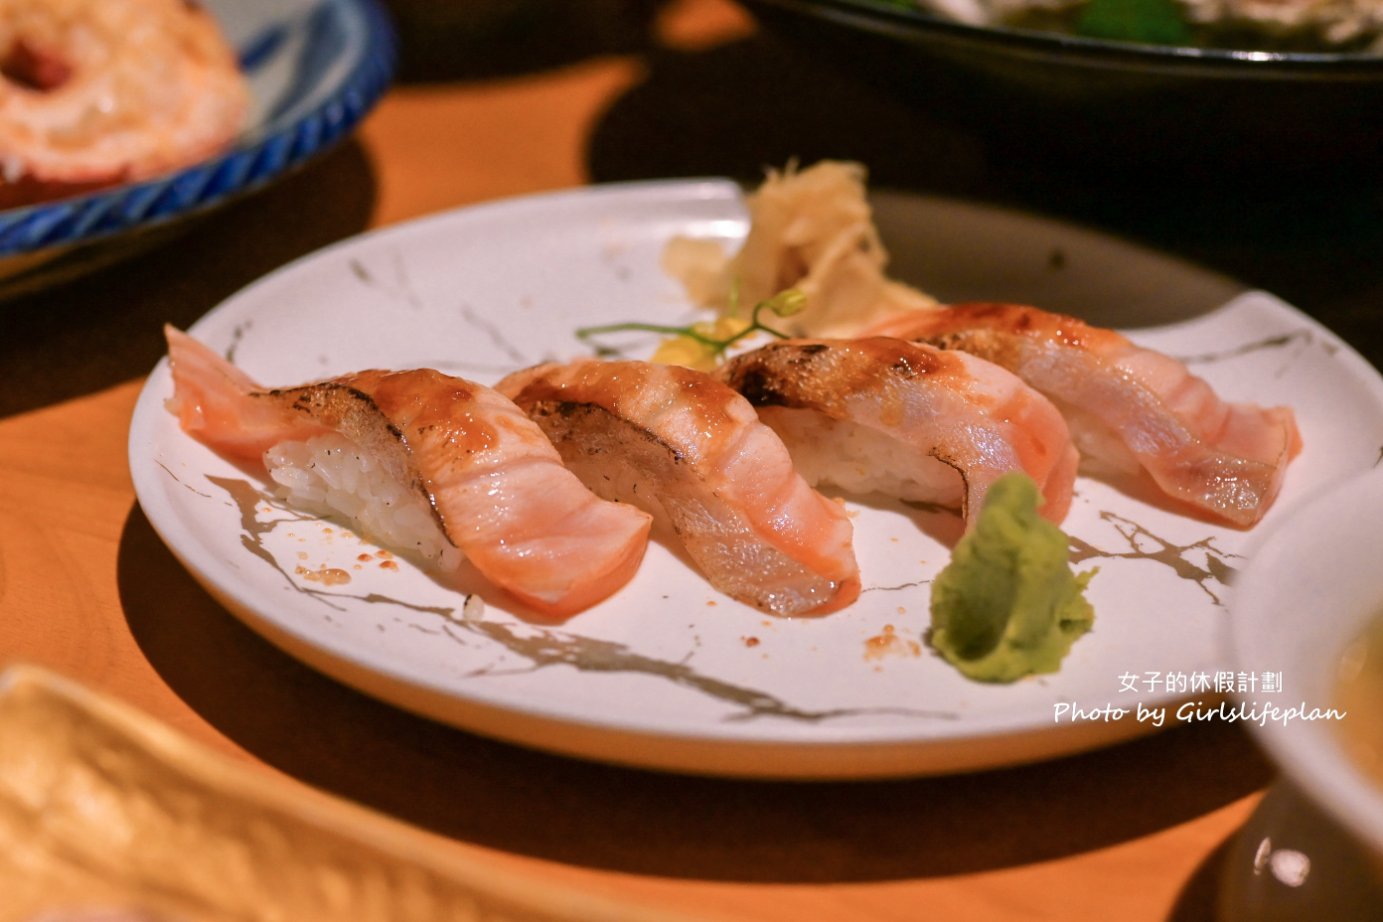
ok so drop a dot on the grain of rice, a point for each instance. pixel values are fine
(329, 475)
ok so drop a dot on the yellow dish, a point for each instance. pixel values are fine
(107, 813)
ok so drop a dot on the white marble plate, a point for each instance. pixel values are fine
(668, 673)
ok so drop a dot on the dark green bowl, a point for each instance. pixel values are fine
(1198, 108)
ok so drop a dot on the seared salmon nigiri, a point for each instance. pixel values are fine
(1128, 407)
(884, 415)
(690, 450)
(486, 474)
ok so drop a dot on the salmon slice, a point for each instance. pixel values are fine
(691, 451)
(1130, 409)
(495, 484)
(907, 420)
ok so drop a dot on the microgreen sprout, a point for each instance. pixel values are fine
(702, 344)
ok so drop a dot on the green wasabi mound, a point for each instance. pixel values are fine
(1008, 604)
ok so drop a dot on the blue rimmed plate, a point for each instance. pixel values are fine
(315, 67)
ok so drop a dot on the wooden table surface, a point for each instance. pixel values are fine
(1135, 832)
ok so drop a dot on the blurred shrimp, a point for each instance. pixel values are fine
(98, 92)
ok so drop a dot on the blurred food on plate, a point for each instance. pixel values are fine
(101, 92)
